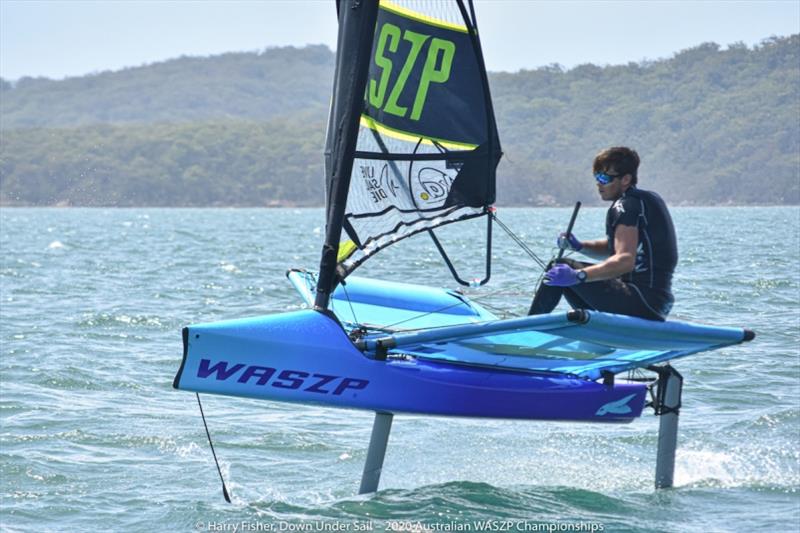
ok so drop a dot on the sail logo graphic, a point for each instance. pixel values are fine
(377, 187)
(398, 43)
(617, 407)
(285, 379)
(435, 184)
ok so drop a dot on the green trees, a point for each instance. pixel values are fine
(212, 163)
(253, 86)
(712, 125)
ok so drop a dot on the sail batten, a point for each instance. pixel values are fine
(371, 123)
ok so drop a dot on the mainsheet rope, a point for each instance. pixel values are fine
(520, 243)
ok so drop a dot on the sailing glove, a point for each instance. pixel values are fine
(562, 275)
(568, 241)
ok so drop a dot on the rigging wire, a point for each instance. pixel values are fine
(415, 317)
(520, 243)
(482, 299)
(347, 295)
(214, 453)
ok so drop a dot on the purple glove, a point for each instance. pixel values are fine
(568, 242)
(562, 275)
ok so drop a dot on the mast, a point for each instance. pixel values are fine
(356, 31)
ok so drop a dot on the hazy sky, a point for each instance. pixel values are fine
(71, 38)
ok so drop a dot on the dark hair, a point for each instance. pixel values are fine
(622, 159)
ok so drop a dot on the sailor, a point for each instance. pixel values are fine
(637, 256)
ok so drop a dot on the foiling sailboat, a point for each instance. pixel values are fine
(412, 145)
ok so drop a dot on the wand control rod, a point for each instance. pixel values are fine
(569, 227)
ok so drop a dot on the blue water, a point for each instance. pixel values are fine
(93, 436)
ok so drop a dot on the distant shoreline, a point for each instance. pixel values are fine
(585, 206)
(713, 126)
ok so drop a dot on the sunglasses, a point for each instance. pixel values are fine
(604, 178)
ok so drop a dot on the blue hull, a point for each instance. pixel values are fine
(306, 357)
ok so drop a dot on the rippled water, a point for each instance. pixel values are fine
(93, 435)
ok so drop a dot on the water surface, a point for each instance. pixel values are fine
(93, 436)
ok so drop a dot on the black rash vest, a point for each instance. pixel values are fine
(657, 250)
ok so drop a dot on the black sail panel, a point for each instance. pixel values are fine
(424, 79)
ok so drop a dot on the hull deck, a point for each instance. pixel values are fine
(464, 362)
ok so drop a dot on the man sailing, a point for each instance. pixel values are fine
(637, 256)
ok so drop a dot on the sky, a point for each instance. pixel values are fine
(63, 38)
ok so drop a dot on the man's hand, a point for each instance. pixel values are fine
(562, 275)
(568, 241)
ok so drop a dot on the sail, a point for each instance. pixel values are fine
(426, 143)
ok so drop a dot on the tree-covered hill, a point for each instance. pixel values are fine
(248, 85)
(712, 125)
(275, 162)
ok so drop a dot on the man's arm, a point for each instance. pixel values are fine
(623, 261)
(597, 249)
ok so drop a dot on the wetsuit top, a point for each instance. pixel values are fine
(657, 250)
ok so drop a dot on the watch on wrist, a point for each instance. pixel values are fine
(581, 275)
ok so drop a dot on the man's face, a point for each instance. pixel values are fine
(613, 189)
